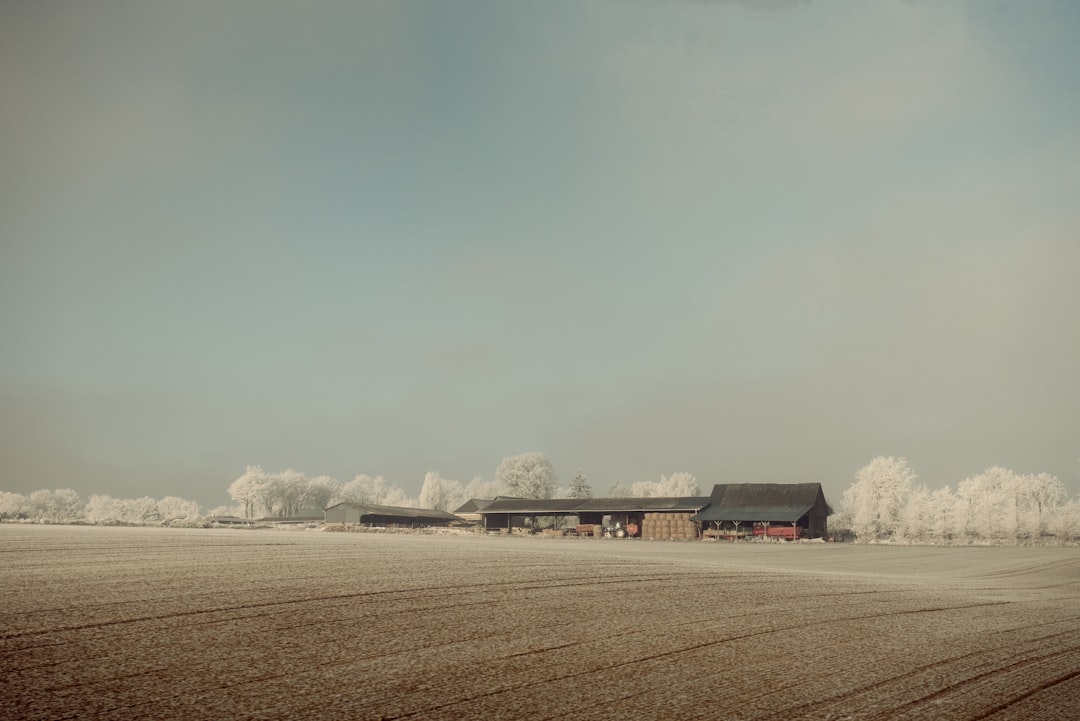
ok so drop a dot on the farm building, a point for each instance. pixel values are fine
(647, 517)
(372, 515)
(302, 517)
(736, 510)
(780, 510)
(470, 509)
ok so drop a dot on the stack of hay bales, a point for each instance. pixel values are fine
(668, 527)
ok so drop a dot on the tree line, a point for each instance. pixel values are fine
(885, 503)
(63, 505)
(526, 475)
(289, 493)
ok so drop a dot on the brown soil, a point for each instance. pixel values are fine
(127, 623)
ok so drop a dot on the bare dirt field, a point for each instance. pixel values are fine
(134, 623)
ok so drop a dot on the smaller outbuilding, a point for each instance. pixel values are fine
(369, 514)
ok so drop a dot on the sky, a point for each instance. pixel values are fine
(755, 241)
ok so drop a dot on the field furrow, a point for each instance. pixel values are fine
(103, 623)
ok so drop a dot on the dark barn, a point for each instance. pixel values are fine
(778, 510)
(368, 514)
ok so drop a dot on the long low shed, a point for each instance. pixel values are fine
(669, 515)
(376, 515)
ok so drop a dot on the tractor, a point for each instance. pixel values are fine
(620, 531)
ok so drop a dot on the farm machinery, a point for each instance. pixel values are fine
(621, 531)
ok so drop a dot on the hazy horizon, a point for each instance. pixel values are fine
(758, 242)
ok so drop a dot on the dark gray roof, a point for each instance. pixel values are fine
(540, 506)
(473, 505)
(371, 509)
(762, 502)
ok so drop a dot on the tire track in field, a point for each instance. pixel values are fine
(961, 687)
(1020, 698)
(289, 609)
(900, 681)
(369, 596)
(664, 655)
(655, 657)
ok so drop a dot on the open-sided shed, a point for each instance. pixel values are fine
(788, 510)
(509, 512)
(375, 515)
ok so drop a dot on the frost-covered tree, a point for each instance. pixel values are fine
(440, 494)
(174, 508)
(942, 527)
(320, 491)
(528, 475)
(873, 502)
(13, 506)
(616, 490)
(479, 488)
(218, 511)
(284, 493)
(102, 509)
(1039, 495)
(988, 504)
(249, 489)
(916, 516)
(1064, 522)
(677, 484)
(139, 511)
(62, 505)
(395, 496)
(366, 489)
(579, 486)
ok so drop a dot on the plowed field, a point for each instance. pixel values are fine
(100, 623)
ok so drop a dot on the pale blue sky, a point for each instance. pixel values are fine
(753, 241)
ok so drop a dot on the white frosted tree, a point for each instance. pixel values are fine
(479, 488)
(139, 511)
(62, 505)
(988, 504)
(286, 490)
(13, 506)
(102, 509)
(395, 496)
(528, 475)
(681, 484)
(366, 489)
(174, 508)
(1039, 496)
(916, 517)
(942, 527)
(579, 486)
(249, 489)
(873, 502)
(320, 491)
(616, 490)
(1064, 522)
(440, 494)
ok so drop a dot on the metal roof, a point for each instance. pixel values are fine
(573, 506)
(762, 502)
(370, 509)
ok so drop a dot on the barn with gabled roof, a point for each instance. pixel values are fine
(783, 510)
